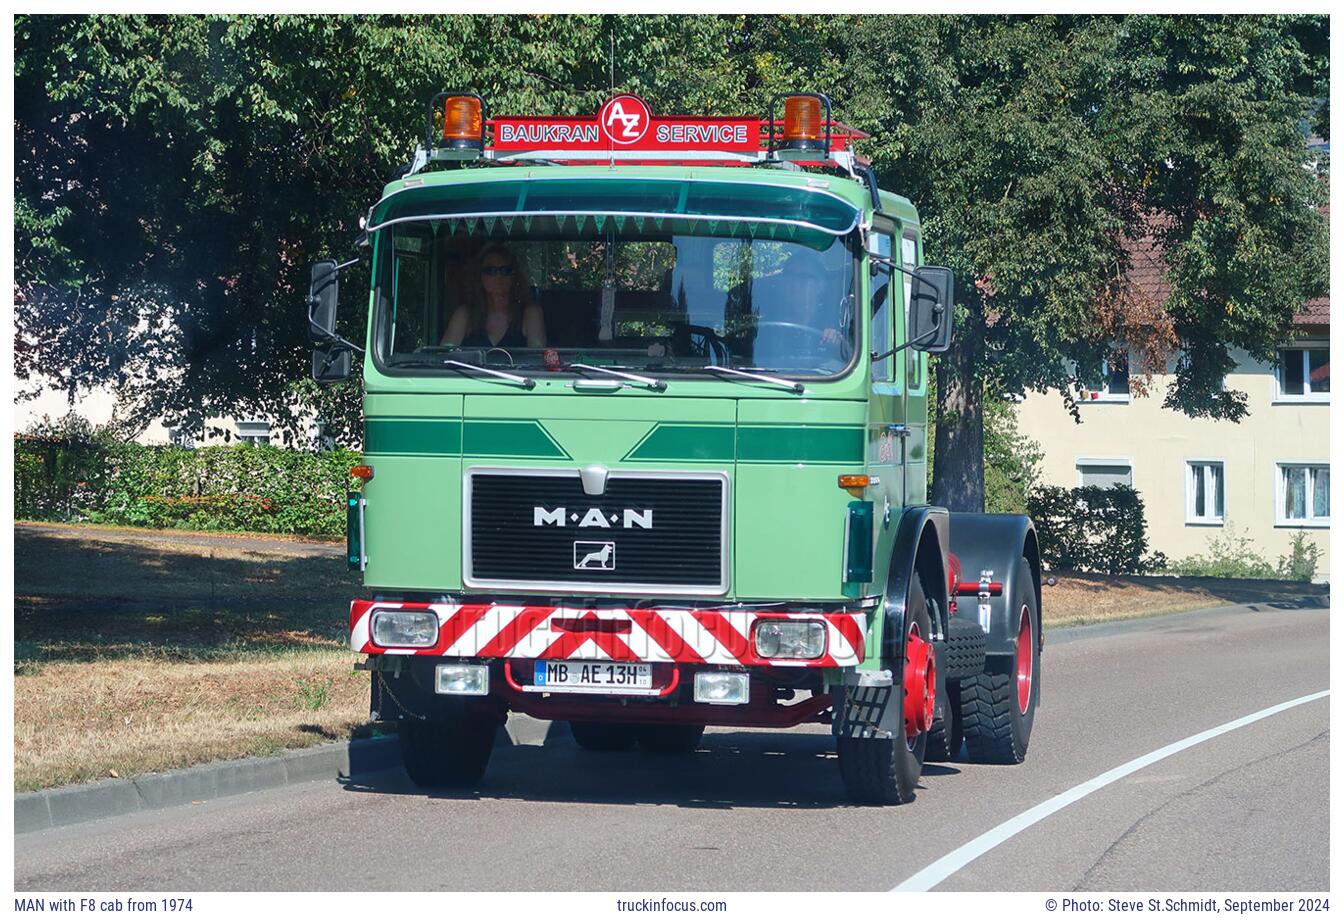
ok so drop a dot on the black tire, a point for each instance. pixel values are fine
(964, 651)
(446, 752)
(996, 726)
(669, 739)
(603, 736)
(945, 736)
(885, 771)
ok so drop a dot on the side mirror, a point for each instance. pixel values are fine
(322, 291)
(929, 325)
(331, 359)
(331, 365)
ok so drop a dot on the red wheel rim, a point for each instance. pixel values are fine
(1024, 661)
(920, 683)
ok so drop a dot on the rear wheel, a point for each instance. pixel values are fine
(998, 709)
(603, 736)
(669, 739)
(885, 771)
(446, 751)
(945, 737)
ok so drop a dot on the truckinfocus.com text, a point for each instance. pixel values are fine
(651, 905)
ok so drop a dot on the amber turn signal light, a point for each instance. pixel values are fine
(855, 483)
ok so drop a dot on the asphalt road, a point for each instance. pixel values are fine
(755, 810)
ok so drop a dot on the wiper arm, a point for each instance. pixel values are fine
(526, 383)
(792, 385)
(652, 383)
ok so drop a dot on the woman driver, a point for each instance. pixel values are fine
(500, 313)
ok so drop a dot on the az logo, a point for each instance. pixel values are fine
(625, 119)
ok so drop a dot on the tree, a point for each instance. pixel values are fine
(1042, 151)
(176, 174)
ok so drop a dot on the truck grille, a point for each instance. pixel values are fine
(644, 531)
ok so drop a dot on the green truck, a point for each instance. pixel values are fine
(646, 451)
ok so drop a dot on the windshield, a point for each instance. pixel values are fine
(663, 294)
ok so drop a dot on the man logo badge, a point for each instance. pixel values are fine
(591, 555)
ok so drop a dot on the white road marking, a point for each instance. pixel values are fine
(931, 875)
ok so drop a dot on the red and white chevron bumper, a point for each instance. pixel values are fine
(651, 634)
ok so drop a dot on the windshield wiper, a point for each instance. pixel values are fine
(463, 367)
(652, 383)
(793, 385)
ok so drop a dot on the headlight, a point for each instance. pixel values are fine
(790, 638)
(462, 679)
(730, 688)
(405, 628)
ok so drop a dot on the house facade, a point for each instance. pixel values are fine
(1266, 477)
(98, 406)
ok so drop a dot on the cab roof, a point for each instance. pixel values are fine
(851, 190)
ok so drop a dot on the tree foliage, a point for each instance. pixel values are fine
(1044, 151)
(175, 174)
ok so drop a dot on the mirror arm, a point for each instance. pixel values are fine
(889, 264)
(915, 341)
(329, 339)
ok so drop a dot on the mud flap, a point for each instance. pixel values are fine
(867, 712)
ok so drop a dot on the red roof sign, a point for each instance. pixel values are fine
(626, 122)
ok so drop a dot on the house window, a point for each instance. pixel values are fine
(1204, 492)
(254, 432)
(1304, 373)
(1105, 473)
(1112, 384)
(1303, 495)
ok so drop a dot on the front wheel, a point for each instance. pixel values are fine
(885, 771)
(446, 751)
(998, 710)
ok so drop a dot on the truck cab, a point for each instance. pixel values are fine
(646, 450)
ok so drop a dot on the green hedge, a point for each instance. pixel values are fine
(238, 487)
(1092, 530)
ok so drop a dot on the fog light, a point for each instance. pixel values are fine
(405, 628)
(790, 638)
(462, 679)
(722, 687)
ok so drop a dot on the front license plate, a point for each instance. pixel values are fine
(593, 675)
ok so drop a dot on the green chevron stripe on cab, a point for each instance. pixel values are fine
(751, 444)
(474, 438)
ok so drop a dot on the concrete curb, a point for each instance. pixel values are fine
(1062, 635)
(35, 811)
(110, 798)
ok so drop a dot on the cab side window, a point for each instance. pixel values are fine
(914, 359)
(880, 306)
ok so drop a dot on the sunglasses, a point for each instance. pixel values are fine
(497, 271)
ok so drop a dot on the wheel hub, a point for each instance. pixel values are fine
(1024, 657)
(921, 685)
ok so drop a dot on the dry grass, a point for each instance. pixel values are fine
(88, 720)
(145, 651)
(1077, 599)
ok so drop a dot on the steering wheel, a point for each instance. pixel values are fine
(816, 338)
